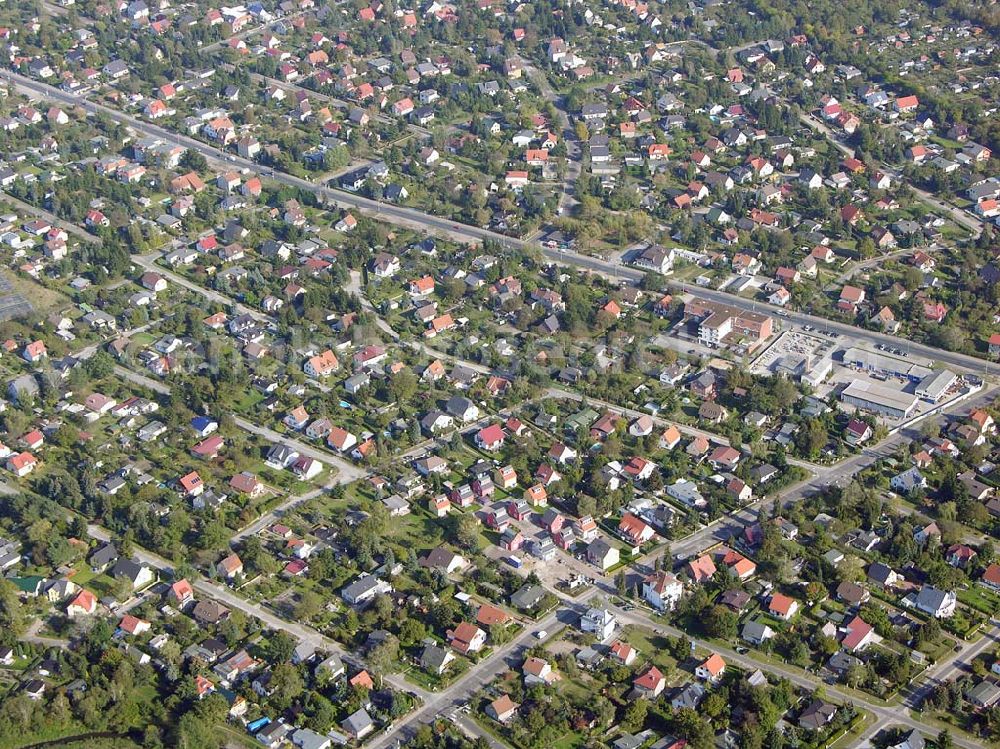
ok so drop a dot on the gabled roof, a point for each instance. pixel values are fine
(857, 630)
(714, 664)
(649, 679)
(781, 604)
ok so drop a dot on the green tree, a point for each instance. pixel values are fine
(309, 605)
(287, 684)
(280, 647)
(635, 715)
(719, 621)
(12, 621)
(465, 530)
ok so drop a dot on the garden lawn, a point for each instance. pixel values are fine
(651, 647)
(980, 599)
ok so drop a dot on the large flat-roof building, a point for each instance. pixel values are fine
(933, 387)
(808, 368)
(721, 325)
(880, 399)
(913, 370)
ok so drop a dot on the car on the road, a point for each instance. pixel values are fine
(742, 650)
(541, 634)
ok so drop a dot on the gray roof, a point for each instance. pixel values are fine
(913, 740)
(26, 385)
(817, 714)
(985, 693)
(306, 739)
(127, 568)
(756, 631)
(431, 418)
(106, 554)
(280, 452)
(589, 656)
(879, 572)
(457, 405)
(304, 651)
(527, 596)
(841, 661)
(360, 587)
(357, 722)
(331, 663)
(433, 657)
(629, 741)
(930, 598)
(438, 558)
(690, 696)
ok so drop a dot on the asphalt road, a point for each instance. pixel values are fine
(799, 678)
(496, 663)
(465, 233)
(225, 595)
(503, 658)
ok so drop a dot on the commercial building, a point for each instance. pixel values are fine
(880, 399)
(809, 369)
(721, 325)
(913, 370)
(933, 387)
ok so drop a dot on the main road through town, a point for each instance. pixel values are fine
(413, 218)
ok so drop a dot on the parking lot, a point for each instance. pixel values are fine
(794, 344)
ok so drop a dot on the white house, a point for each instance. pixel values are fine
(600, 622)
(662, 590)
(938, 603)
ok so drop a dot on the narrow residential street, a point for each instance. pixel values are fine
(963, 218)
(574, 152)
(347, 471)
(449, 701)
(225, 595)
(889, 715)
(31, 636)
(502, 658)
(148, 262)
(957, 663)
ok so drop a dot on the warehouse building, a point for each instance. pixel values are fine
(889, 366)
(806, 368)
(933, 387)
(880, 399)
